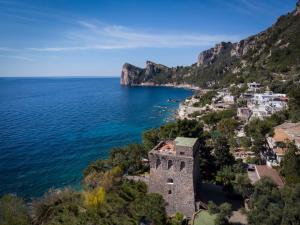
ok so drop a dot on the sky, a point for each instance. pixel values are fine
(96, 37)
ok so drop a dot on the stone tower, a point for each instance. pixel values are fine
(174, 173)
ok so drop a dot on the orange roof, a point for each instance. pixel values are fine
(280, 151)
(280, 135)
(287, 131)
(265, 171)
(167, 147)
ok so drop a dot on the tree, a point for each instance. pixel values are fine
(57, 207)
(245, 142)
(269, 205)
(206, 163)
(227, 126)
(94, 198)
(226, 177)
(98, 166)
(290, 166)
(150, 206)
(150, 138)
(212, 207)
(294, 103)
(13, 211)
(177, 219)
(243, 186)
(205, 99)
(291, 211)
(225, 212)
(222, 152)
(265, 204)
(129, 158)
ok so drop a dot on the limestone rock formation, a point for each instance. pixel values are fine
(130, 74)
(297, 11)
(207, 57)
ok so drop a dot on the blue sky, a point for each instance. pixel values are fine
(95, 37)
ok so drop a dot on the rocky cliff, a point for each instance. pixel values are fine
(132, 75)
(265, 56)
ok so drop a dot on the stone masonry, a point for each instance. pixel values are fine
(174, 173)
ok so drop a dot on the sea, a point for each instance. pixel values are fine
(52, 128)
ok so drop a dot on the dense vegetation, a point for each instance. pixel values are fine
(273, 206)
(205, 99)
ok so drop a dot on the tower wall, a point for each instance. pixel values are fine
(176, 183)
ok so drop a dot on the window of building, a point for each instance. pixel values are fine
(170, 181)
(182, 165)
(170, 164)
(169, 192)
(181, 153)
(157, 163)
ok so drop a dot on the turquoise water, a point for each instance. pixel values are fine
(51, 128)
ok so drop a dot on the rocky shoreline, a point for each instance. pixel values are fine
(150, 84)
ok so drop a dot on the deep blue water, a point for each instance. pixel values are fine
(51, 128)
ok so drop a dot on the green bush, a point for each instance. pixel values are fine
(13, 211)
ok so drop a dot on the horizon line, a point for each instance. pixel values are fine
(62, 76)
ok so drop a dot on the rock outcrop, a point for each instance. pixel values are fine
(209, 56)
(130, 74)
(297, 11)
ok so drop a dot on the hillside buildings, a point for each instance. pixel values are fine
(253, 87)
(261, 105)
(284, 133)
(174, 173)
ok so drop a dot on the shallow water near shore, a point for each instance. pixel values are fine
(51, 128)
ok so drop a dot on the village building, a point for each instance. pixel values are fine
(261, 171)
(265, 104)
(174, 173)
(253, 87)
(244, 113)
(286, 132)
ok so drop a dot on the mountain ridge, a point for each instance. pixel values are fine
(268, 55)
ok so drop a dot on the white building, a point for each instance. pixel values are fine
(266, 104)
(253, 87)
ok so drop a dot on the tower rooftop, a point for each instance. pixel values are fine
(186, 142)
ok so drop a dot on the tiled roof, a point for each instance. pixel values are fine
(183, 141)
(265, 171)
(290, 131)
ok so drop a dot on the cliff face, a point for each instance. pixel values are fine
(273, 52)
(130, 74)
(208, 57)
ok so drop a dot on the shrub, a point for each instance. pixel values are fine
(13, 211)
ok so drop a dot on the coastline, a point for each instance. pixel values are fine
(171, 85)
(98, 136)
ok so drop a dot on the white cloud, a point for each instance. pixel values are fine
(97, 36)
(17, 57)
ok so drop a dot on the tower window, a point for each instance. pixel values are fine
(170, 164)
(169, 192)
(157, 163)
(181, 153)
(182, 165)
(170, 181)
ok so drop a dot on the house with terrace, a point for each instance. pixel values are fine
(284, 133)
